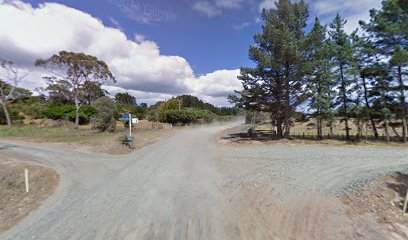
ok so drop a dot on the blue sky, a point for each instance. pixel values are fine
(207, 42)
(172, 47)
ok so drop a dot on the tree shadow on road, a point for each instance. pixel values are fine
(400, 185)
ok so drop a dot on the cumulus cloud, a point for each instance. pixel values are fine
(217, 84)
(28, 33)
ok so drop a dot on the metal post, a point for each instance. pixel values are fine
(130, 124)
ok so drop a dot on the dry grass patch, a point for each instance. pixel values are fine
(15, 203)
(88, 139)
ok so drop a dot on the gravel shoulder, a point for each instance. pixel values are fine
(189, 187)
(15, 203)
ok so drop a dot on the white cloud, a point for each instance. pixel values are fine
(139, 38)
(352, 10)
(28, 33)
(266, 4)
(207, 8)
(229, 4)
(115, 23)
(242, 25)
(215, 86)
(216, 7)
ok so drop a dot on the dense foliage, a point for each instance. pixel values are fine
(186, 116)
(67, 112)
(104, 118)
(360, 76)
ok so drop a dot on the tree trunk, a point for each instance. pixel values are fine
(359, 129)
(343, 86)
(279, 127)
(395, 131)
(330, 116)
(77, 109)
(403, 106)
(320, 128)
(287, 104)
(370, 114)
(331, 128)
(6, 112)
(319, 117)
(385, 114)
(387, 135)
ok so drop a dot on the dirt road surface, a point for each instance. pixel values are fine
(188, 187)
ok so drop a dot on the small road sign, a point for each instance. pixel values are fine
(135, 120)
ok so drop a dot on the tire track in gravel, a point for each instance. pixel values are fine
(187, 187)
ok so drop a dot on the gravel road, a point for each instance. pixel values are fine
(188, 187)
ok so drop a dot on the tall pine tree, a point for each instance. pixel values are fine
(319, 79)
(342, 59)
(276, 84)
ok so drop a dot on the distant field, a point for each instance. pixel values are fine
(309, 129)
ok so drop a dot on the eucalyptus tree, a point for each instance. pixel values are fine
(77, 69)
(9, 82)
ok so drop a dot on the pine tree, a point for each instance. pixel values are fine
(342, 58)
(319, 78)
(276, 84)
(400, 60)
(389, 26)
(364, 53)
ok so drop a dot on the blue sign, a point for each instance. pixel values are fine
(125, 116)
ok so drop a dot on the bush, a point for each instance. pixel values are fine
(104, 119)
(15, 115)
(152, 116)
(186, 116)
(67, 112)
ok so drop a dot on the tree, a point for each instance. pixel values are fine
(342, 59)
(389, 28)
(59, 91)
(9, 90)
(365, 54)
(319, 78)
(276, 84)
(125, 99)
(93, 91)
(399, 60)
(104, 119)
(77, 69)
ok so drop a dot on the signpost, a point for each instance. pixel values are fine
(128, 118)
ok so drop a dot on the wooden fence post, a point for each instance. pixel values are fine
(404, 209)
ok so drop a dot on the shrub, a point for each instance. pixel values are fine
(67, 112)
(104, 119)
(15, 116)
(185, 116)
(152, 116)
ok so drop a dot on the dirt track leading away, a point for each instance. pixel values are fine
(187, 187)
